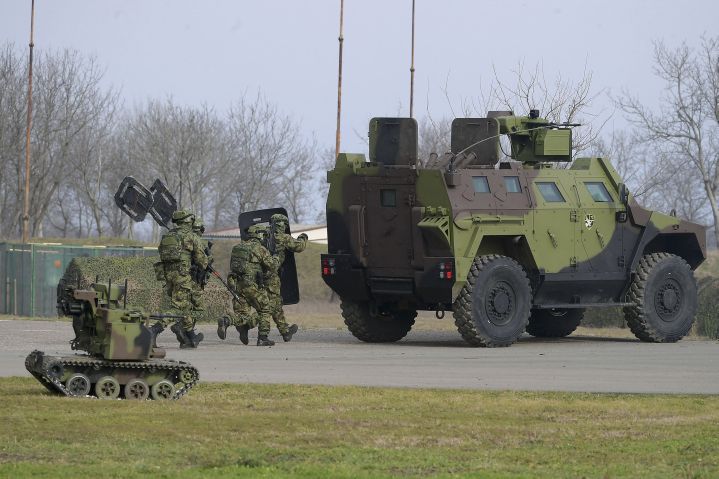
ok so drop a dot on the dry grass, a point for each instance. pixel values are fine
(248, 430)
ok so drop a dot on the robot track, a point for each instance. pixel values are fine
(82, 376)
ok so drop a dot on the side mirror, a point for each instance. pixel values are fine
(623, 194)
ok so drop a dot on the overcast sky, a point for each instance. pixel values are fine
(212, 51)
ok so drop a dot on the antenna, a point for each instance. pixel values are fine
(411, 71)
(124, 303)
(28, 127)
(339, 80)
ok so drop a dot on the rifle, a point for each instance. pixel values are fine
(271, 240)
(217, 275)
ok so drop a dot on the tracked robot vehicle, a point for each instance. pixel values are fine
(121, 360)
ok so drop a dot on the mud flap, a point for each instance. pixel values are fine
(288, 271)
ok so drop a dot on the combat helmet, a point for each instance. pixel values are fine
(280, 218)
(182, 217)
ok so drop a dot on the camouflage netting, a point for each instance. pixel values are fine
(144, 290)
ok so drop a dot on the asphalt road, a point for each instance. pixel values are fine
(424, 359)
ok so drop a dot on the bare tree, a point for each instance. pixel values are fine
(558, 99)
(12, 133)
(183, 146)
(686, 125)
(270, 161)
(434, 137)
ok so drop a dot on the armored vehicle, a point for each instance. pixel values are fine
(121, 359)
(509, 246)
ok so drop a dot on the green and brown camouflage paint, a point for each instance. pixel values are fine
(392, 224)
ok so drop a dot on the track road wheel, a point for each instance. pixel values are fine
(162, 390)
(664, 293)
(492, 308)
(378, 327)
(107, 388)
(78, 385)
(554, 323)
(137, 389)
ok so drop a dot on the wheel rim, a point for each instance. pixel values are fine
(107, 388)
(163, 390)
(500, 303)
(668, 300)
(136, 389)
(78, 385)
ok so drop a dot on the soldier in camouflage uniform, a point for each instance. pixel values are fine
(200, 275)
(249, 265)
(179, 249)
(283, 243)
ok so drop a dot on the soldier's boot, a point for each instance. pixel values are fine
(244, 331)
(156, 329)
(222, 324)
(193, 339)
(290, 332)
(179, 334)
(263, 341)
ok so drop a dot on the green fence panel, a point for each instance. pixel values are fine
(30, 273)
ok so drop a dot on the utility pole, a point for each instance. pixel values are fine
(411, 71)
(339, 82)
(26, 205)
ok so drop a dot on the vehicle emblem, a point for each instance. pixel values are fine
(589, 221)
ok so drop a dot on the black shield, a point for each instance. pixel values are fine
(288, 271)
(163, 204)
(133, 198)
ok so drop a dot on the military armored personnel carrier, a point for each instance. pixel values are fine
(507, 246)
(121, 359)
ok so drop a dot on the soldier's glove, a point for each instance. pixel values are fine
(303, 237)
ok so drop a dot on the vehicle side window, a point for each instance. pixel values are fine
(550, 192)
(481, 185)
(388, 198)
(512, 184)
(598, 191)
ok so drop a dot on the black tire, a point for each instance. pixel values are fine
(376, 328)
(664, 293)
(554, 323)
(492, 308)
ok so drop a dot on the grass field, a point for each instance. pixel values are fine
(222, 430)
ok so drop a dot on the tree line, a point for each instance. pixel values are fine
(84, 141)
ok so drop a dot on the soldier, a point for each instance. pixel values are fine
(179, 249)
(200, 275)
(283, 242)
(249, 265)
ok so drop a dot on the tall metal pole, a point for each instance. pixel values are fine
(26, 206)
(339, 82)
(411, 71)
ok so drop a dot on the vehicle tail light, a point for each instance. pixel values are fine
(446, 270)
(328, 266)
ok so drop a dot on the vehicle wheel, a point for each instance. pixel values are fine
(137, 389)
(376, 328)
(78, 385)
(162, 390)
(107, 388)
(492, 309)
(664, 293)
(554, 323)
